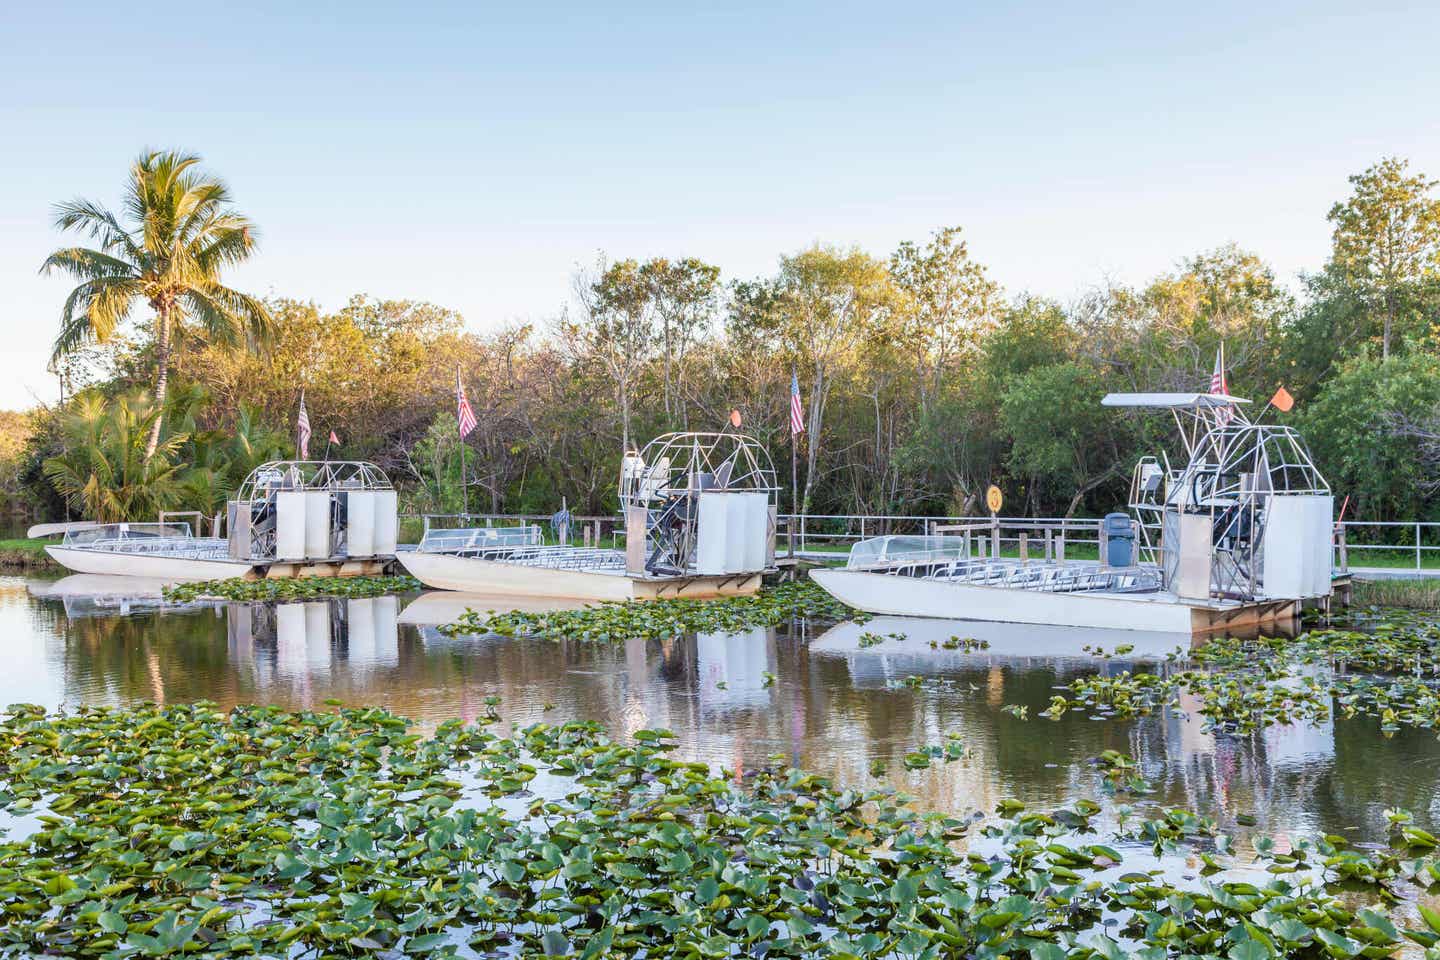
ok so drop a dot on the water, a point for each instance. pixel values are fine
(833, 707)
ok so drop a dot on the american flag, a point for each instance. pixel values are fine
(463, 413)
(1217, 379)
(302, 428)
(1220, 387)
(797, 412)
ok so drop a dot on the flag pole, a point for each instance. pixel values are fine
(460, 434)
(794, 490)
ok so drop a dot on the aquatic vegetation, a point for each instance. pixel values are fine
(155, 831)
(869, 639)
(613, 622)
(1120, 773)
(301, 588)
(1241, 686)
(965, 644)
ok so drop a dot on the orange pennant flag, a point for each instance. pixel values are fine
(735, 418)
(1282, 400)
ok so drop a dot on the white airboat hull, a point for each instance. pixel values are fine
(1161, 612)
(150, 565)
(475, 575)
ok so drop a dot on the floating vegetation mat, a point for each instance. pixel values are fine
(150, 831)
(1391, 674)
(609, 622)
(303, 588)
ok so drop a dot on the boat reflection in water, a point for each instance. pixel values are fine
(298, 639)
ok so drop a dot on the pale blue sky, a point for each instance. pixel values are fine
(471, 154)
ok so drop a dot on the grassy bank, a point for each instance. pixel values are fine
(26, 555)
(1415, 594)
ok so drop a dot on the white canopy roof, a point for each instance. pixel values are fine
(1170, 400)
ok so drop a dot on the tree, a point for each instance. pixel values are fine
(180, 235)
(616, 327)
(1165, 335)
(1387, 238)
(1058, 430)
(1362, 429)
(684, 294)
(946, 298)
(106, 470)
(817, 309)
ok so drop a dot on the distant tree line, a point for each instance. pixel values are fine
(922, 380)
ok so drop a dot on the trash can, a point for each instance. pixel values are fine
(1119, 540)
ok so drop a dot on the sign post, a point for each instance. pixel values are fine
(994, 499)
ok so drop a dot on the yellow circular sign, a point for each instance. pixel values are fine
(994, 499)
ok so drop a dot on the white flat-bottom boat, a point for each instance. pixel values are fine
(1238, 539)
(699, 522)
(164, 552)
(562, 573)
(1072, 595)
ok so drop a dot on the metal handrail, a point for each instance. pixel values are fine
(1422, 541)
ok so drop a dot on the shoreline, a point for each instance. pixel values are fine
(26, 556)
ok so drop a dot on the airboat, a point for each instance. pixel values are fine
(290, 518)
(1239, 536)
(699, 513)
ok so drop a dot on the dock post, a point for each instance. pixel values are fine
(1060, 547)
(1049, 544)
(1024, 547)
(994, 536)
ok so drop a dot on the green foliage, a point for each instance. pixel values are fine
(105, 471)
(180, 235)
(922, 383)
(101, 467)
(1351, 428)
(1387, 242)
(1059, 432)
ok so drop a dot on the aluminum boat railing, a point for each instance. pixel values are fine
(148, 539)
(521, 546)
(479, 541)
(1051, 577)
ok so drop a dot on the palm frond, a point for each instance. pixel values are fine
(93, 311)
(100, 224)
(229, 240)
(228, 315)
(82, 263)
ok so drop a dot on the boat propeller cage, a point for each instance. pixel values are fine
(699, 503)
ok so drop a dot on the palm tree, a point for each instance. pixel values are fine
(180, 232)
(104, 471)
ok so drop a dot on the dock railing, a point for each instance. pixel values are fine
(818, 536)
(1387, 544)
(1399, 545)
